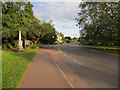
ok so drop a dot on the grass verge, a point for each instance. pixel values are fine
(14, 66)
(108, 49)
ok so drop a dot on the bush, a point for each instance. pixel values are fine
(72, 41)
(64, 41)
(4, 46)
(38, 45)
(10, 45)
(15, 44)
(33, 46)
(67, 40)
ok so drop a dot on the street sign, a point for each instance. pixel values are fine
(27, 42)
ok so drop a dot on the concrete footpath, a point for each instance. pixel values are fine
(43, 73)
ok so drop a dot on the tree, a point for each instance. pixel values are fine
(11, 20)
(19, 16)
(48, 31)
(32, 24)
(75, 39)
(99, 22)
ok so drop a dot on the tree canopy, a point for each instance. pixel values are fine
(19, 16)
(98, 22)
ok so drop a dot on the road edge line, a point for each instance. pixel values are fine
(63, 72)
(64, 75)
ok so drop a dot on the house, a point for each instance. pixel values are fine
(59, 38)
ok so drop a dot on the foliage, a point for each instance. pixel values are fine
(33, 46)
(61, 34)
(75, 39)
(79, 39)
(99, 22)
(48, 32)
(10, 45)
(63, 40)
(104, 48)
(71, 41)
(19, 16)
(15, 44)
(4, 46)
(14, 66)
(11, 20)
(67, 40)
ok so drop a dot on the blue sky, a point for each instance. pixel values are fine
(62, 14)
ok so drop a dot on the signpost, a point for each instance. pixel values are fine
(27, 42)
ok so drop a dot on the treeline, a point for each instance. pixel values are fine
(19, 16)
(99, 23)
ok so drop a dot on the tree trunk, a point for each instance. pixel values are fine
(37, 41)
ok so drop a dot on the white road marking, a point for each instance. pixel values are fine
(80, 63)
(71, 57)
(75, 60)
(66, 55)
(64, 75)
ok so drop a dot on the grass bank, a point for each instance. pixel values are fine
(109, 49)
(14, 66)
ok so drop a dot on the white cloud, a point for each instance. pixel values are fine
(56, 11)
(55, 0)
(63, 15)
(68, 25)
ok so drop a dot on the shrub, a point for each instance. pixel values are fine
(33, 46)
(67, 40)
(10, 45)
(64, 41)
(15, 44)
(72, 41)
(38, 45)
(4, 46)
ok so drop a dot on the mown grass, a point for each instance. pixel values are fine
(14, 66)
(110, 49)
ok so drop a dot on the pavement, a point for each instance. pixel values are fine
(43, 73)
(71, 66)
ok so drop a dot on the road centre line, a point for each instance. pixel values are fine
(70, 57)
(75, 60)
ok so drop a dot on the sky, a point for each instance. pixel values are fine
(62, 14)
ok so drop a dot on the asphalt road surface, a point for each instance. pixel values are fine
(85, 68)
(71, 66)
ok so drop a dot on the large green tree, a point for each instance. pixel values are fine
(48, 32)
(19, 16)
(11, 20)
(32, 24)
(99, 22)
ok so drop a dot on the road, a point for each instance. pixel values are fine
(71, 66)
(95, 69)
